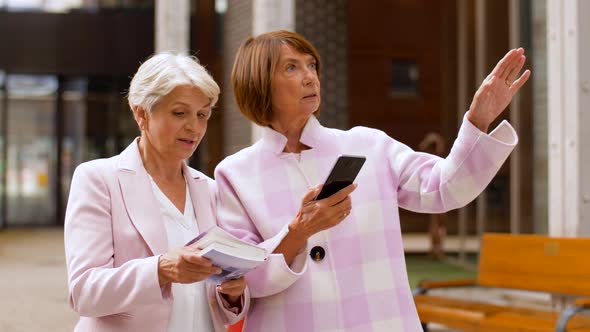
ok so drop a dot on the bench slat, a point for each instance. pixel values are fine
(540, 322)
(536, 263)
(456, 318)
(469, 315)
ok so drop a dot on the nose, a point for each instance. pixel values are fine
(311, 77)
(191, 124)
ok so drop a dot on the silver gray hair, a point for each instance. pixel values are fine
(162, 72)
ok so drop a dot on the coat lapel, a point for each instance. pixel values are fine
(139, 200)
(198, 187)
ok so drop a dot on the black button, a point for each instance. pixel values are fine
(317, 253)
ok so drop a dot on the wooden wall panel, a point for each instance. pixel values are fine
(404, 30)
(419, 30)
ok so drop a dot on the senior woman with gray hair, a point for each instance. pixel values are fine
(129, 217)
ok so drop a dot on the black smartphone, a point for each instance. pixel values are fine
(342, 175)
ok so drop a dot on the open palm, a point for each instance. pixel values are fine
(497, 90)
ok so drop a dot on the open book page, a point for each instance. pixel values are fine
(217, 234)
(234, 256)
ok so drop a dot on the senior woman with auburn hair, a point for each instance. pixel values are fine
(129, 216)
(338, 263)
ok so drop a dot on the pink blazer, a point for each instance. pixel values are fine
(113, 238)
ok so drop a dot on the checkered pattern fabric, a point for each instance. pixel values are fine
(362, 283)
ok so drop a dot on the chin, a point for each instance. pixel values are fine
(188, 156)
(313, 111)
(184, 155)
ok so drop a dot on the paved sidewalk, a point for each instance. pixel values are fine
(33, 284)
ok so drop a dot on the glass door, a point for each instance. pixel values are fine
(31, 150)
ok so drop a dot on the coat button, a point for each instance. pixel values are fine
(317, 253)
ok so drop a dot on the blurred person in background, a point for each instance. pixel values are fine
(434, 143)
(337, 264)
(128, 217)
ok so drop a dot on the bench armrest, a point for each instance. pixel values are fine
(580, 305)
(425, 285)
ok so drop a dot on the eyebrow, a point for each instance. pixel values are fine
(180, 103)
(311, 58)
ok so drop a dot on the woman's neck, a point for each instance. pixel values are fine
(292, 130)
(157, 165)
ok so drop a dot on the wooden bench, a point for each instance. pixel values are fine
(525, 262)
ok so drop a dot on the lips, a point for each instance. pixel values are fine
(187, 141)
(313, 95)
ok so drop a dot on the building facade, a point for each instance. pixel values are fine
(410, 71)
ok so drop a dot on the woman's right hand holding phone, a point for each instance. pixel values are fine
(313, 217)
(316, 216)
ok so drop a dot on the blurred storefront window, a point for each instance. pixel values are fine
(77, 118)
(74, 130)
(51, 124)
(31, 144)
(61, 6)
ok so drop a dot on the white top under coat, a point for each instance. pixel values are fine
(190, 311)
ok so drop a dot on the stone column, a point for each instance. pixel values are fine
(172, 26)
(568, 117)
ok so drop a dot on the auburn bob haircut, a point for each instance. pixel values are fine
(254, 66)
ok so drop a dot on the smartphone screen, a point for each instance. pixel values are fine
(342, 175)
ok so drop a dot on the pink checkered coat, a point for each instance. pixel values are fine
(361, 284)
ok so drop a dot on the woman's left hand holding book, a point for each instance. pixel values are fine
(184, 265)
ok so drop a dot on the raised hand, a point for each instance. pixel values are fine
(497, 89)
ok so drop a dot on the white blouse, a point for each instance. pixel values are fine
(190, 309)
